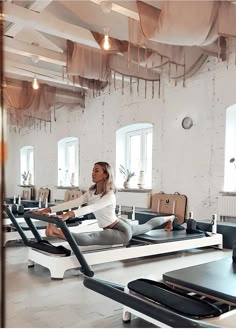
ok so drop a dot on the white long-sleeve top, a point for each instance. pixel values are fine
(102, 207)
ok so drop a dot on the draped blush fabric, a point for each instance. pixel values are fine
(184, 50)
(136, 36)
(149, 18)
(119, 65)
(178, 61)
(116, 44)
(44, 99)
(92, 68)
(227, 19)
(176, 39)
(168, 25)
(87, 66)
(18, 97)
(95, 85)
(22, 102)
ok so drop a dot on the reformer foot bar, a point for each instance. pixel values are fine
(165, 242)
(42, 245)
(178, 301)
(14, 235)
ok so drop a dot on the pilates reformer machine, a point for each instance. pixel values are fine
(202, 296)
(11, 232)
(18, 207)
(152, 243)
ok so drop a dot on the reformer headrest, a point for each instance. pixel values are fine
(176, 300)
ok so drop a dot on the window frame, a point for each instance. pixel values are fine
(123, 154)
(64, 177)
(25, 163)
(143, 149)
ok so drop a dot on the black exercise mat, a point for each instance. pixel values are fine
(178, 301)
(162, 236)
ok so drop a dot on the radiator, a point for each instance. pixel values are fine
(227, 206)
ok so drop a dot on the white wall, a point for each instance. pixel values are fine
(188, 161)
(230, 150)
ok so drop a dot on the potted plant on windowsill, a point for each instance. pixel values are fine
(25, 177)
(127, 174)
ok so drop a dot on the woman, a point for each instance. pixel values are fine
(101, 200)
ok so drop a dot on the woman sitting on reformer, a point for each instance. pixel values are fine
(101, 200)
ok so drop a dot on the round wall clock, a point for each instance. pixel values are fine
(187, 123)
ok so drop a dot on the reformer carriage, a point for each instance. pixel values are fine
(64, 256)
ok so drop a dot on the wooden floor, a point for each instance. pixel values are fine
(33, 300)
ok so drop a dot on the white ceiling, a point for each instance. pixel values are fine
(42, 27)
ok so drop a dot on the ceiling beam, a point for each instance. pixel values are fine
(120, 10)
(28, 71)
(39, 5)
(13, 29)
(49, 24)
(21, 48)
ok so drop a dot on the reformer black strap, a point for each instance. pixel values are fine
(178, 301)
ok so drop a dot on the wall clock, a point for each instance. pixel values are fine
(187, 123)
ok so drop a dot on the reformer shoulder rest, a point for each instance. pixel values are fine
(144, 306)
(45, 246)
(171, 298)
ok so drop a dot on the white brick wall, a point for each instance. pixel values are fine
(188, 161)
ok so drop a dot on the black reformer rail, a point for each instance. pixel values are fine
(40, 244)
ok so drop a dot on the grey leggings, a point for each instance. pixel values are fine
(121, 233)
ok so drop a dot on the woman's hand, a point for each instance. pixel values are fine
(66, 216)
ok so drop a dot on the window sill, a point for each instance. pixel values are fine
(228, 193)
(135, 190)
(25, 185)
(67, 188)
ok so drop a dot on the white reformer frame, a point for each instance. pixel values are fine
(226, 320)
(104, 254)
(84, 257)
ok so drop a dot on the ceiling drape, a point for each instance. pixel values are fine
(180, 22)
(25, 105)
(87, 66)
(175, 39)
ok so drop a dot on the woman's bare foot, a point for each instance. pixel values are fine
(53, 231)
(169, 225)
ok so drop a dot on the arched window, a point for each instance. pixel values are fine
(134, 152)
(230, 150)
(27, 165)
(68, 162)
